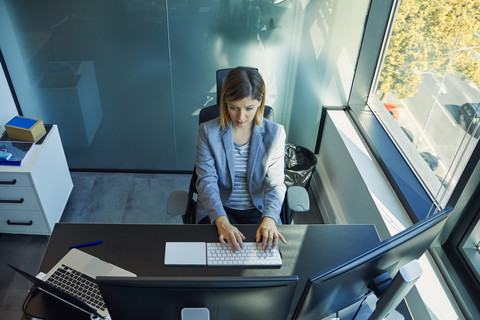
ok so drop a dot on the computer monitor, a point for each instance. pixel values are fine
(225, 297)
(347, 284)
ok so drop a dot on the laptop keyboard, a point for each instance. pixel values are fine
(251, 255)
(79, 285)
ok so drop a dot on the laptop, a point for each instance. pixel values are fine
(71, 280)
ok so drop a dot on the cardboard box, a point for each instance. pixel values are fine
(25, 129)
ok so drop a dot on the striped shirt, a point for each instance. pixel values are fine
(240, 198)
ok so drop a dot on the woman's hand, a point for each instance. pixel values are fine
(267, 232)
(229, 234)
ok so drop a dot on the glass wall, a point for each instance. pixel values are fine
(125, 80)
(8, 109)
(210, 35)
(100, 71)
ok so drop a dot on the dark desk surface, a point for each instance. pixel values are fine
(140, 249)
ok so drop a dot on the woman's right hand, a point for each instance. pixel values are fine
(229, 234)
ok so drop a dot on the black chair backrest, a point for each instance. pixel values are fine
(221, 74)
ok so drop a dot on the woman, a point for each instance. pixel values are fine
(240, 163)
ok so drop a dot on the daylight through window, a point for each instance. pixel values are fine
(427, 95)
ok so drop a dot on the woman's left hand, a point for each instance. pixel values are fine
(267, 232)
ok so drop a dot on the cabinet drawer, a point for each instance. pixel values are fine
(14, 180)
(18, 198)
(31, 222)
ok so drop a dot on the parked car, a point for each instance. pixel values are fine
(408, 133)
(430, 159)
(392, 109)
(469, 114)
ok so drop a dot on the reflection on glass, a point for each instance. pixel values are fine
(429, 86)
(225, 34)
(100, 71)
(73, 83)
(124, 80)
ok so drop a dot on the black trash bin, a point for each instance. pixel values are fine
(299, 165)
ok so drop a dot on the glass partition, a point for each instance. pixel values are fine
(210, 35)
(125, 80)
(100, 71)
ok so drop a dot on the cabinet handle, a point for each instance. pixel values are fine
(13, 201)
(14, 181)
(12, 223)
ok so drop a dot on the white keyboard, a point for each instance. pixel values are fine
(252, 254)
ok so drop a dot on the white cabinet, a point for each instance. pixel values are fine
(33, 195)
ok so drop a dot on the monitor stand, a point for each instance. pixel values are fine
(195, 314)
(396, 291)
(367, 308)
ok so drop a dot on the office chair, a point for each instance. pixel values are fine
(184, 203)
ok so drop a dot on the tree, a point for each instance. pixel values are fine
(435, 37)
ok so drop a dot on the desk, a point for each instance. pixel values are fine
(141, 249)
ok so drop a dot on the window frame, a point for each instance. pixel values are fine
(411, 192)
(404, 181)
(448, 250)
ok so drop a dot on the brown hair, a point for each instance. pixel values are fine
(240, 83)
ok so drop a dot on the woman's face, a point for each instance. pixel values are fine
(242, 112)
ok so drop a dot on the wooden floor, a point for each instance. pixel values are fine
(97, 198)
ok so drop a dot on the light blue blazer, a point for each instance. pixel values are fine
(215, 169)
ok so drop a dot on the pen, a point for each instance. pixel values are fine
(88, 244)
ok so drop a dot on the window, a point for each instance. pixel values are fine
(427, 95)
(415, 99)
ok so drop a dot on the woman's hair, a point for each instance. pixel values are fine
(242, 82)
